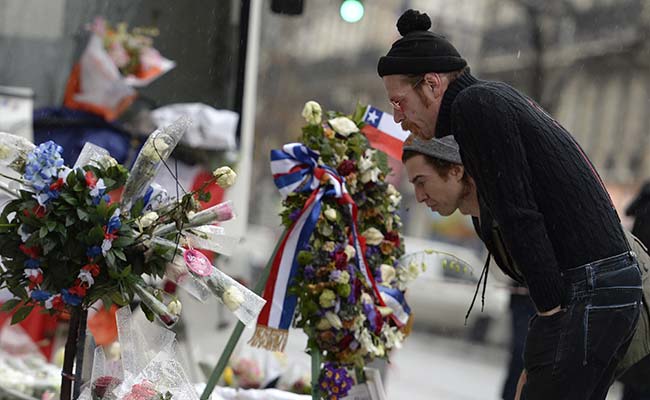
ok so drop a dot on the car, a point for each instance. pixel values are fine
(440, 297)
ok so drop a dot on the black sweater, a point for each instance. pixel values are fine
(534, 182)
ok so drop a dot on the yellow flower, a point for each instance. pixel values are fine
(329, 133)
(327, 298)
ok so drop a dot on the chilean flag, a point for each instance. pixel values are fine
(383, 132)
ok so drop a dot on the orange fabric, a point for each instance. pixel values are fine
(103, 326)
(74, 86)
(39, 326)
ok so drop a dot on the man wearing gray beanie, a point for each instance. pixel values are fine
(541, 197)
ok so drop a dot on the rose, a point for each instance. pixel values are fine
(373, 236)
(330, 214)
(346, 167)
(387, 274)
(341, 259)
(312, 112)
(225, 176)
(146, 220)
(334, 320)
(175, 307)
(343, 126)
(103, 385)
(233, 298)
(350, 252)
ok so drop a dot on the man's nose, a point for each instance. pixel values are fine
(398, 116)
(420, 196)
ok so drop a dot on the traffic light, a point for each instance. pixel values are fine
(351, 10)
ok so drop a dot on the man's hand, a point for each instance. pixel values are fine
(520, 384)
(550, 312)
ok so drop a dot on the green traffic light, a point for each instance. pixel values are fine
(352, 10)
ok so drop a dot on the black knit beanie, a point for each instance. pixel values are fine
(419, 51)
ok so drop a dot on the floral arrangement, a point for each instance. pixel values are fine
(349, 268)
(132, 52)
(69, 238)
(147, 368)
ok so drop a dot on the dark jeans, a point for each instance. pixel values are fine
(573, 354)
(521, 309)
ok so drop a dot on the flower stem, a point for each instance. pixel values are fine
(70, 352)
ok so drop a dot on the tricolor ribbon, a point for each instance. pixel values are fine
(295, 169)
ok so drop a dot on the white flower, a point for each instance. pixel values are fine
(343, 126)
(350, 252)
(106, 246)
(373, 236)
(86, 276)
(225, 176)
(107, 162)
(329, 246)
(24, 234)
(64, 172)
(174, 307)
(366, 163)
(334, 320)
(233, 298)
(149, 218)
(371, 175)
(330, 214)
(312, 112)
(387, 274)
(393, 337)
(344, 277)
(99, 186)
(154, 149)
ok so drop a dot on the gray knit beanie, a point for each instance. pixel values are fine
(444, 148)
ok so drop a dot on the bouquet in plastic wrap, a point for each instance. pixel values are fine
(69, 239)
(147, 370)
(114, 62)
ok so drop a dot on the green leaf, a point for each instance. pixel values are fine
(110, 259)
(70, 220)
(123, 241)
(126, 272)
(21, 314)
(119, 254)
(96, 235)
(147, 312)
(205, 197)
(136, 210)
(83, 215)
(117, 298)
(43, 232)
(48, 245)
(10, 305)
(50, 225)
(70, 199)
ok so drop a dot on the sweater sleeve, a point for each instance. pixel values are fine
(486, 127)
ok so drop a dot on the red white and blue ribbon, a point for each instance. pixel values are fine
(295, 168)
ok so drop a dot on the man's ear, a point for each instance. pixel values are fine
(434, 81)
(457, 171)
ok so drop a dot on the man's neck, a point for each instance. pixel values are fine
(443, 123)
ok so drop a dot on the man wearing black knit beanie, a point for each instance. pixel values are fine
(545, 215)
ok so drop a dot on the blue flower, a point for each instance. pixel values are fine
(94, 251)
(32, 263)
(70, 299)
(39, 295)
(114, 224)
(43, 165)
